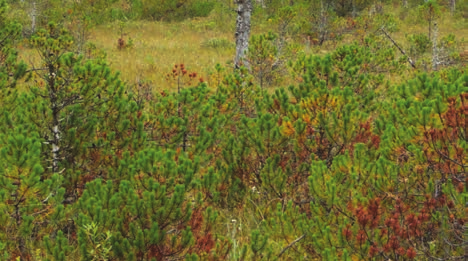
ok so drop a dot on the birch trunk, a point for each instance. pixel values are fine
(354, 13)
(435, 50)
(322, 25)
(55, 119)
(453, 4)
(244, 11)
(33, 17)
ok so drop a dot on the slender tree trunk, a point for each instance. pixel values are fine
(354, 13)
(244, 11)
(322, 25)
(430, 28)
(453, 4)
(399, 48)
(405, 3)
(435, 51)
(33, 17)
(55, 140)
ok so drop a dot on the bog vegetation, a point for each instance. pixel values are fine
(127, 133)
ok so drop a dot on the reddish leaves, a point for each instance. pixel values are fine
(364, 135)
(361, 237)
(390, 226)
(347, 233)
(411, 253)
(204, 241)
(369, 216)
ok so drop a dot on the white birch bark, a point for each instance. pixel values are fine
(244, 12)
(322, 25)
(435, 50)
(55, 106)
(55, 148)
(453, 5)
(33, 17)
(354, 13)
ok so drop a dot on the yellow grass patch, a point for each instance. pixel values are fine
(157, 47)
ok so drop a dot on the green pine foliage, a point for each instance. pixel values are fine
(344, 164)
(11, 70)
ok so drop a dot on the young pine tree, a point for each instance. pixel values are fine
(81, 111)
(11, 70)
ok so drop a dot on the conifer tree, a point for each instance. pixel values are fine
(11, 70)
(137, 208)
(27, 199)
(146, 216)
(81, 111)
(24, 196)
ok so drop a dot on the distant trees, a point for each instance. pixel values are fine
(429, 12)
(171, 10)
(340, 7)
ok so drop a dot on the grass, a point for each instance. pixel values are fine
(202, 43)
(200, 46)
(157, 47)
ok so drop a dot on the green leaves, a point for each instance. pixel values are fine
(94, 244)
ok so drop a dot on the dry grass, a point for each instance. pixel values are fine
(447, 24)
(157, 47)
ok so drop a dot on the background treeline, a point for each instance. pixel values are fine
(361, 156)
(102, 11)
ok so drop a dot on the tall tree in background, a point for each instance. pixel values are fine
(244, 12)
(38, 12)
(453, 5)
(429, 12)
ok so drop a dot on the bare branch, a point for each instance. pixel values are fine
(290, 245)
(399, 48)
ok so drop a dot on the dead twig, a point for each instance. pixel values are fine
(399, 48)
(290, 245)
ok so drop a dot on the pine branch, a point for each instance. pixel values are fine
(290, 245)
